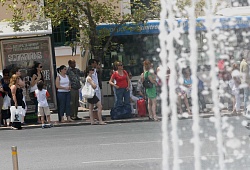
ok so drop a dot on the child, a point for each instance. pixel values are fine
(132, 97)
(43, 107)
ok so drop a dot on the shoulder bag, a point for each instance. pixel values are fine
(87, 90)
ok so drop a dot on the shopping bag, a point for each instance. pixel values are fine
(88, 91)
(6, 102)
(247, 113)
(16, 113)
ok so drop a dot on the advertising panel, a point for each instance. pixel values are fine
(23, 53)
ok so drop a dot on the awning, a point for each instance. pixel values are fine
(28, 28)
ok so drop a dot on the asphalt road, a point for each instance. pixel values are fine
(127, 146)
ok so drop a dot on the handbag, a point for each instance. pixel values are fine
(88, 91)
(6, 102)
(147, 83)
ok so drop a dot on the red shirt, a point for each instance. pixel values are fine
(121, 81)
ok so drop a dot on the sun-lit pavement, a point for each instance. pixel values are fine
(123, 146)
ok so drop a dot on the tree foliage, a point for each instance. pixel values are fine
(84, 15)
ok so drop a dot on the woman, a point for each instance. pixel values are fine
(121, 86)
(36, 76)
(16, 101)
(150, 92)
(235, 83)
(5, 81)
(95, 100)
(17, 71)
(187, 82)
(63, 93)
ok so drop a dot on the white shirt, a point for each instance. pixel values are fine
(41, 98)
(95, 79)
(64, 82)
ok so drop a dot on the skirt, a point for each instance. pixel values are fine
(93, 100)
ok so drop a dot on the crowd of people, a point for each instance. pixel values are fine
(13, 90)
(68, 85)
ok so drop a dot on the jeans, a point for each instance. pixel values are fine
(74, 102)
(123, 97)
(201, 99)
(114, 90)
(63, 103)
(246, 96)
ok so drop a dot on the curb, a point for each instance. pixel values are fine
(132, 120)
(33, 126)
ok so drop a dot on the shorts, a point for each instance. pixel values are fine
(42, 111)
(93, 100)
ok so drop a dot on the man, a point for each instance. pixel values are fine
(245, 78)
(74, 77)
(96, 78)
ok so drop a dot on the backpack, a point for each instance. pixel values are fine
(147, 83)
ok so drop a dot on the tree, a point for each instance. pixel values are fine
(85, 15)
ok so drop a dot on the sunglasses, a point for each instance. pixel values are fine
(41, 67)
(92, 69)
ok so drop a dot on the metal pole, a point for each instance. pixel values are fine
(14, 157)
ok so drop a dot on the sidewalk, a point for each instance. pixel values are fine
(84, 114)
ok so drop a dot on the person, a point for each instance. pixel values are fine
(150, 92)
(43, 107)
(1, 102)
(17, 71)
(96, 77)
(188, 84)
(132, 97)
(224, 76)
(113, 89)
(245, 78)
(122, 86)
(63, 93)
(16, 101)
(95, 100)
(5, 81)
(140, 89)
(236, 89)
(74, 75)
(36, 76)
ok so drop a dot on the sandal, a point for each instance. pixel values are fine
(156, 119)
(102, 123)
(150, 118)
(94, 123)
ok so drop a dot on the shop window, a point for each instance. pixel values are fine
(63, 34)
